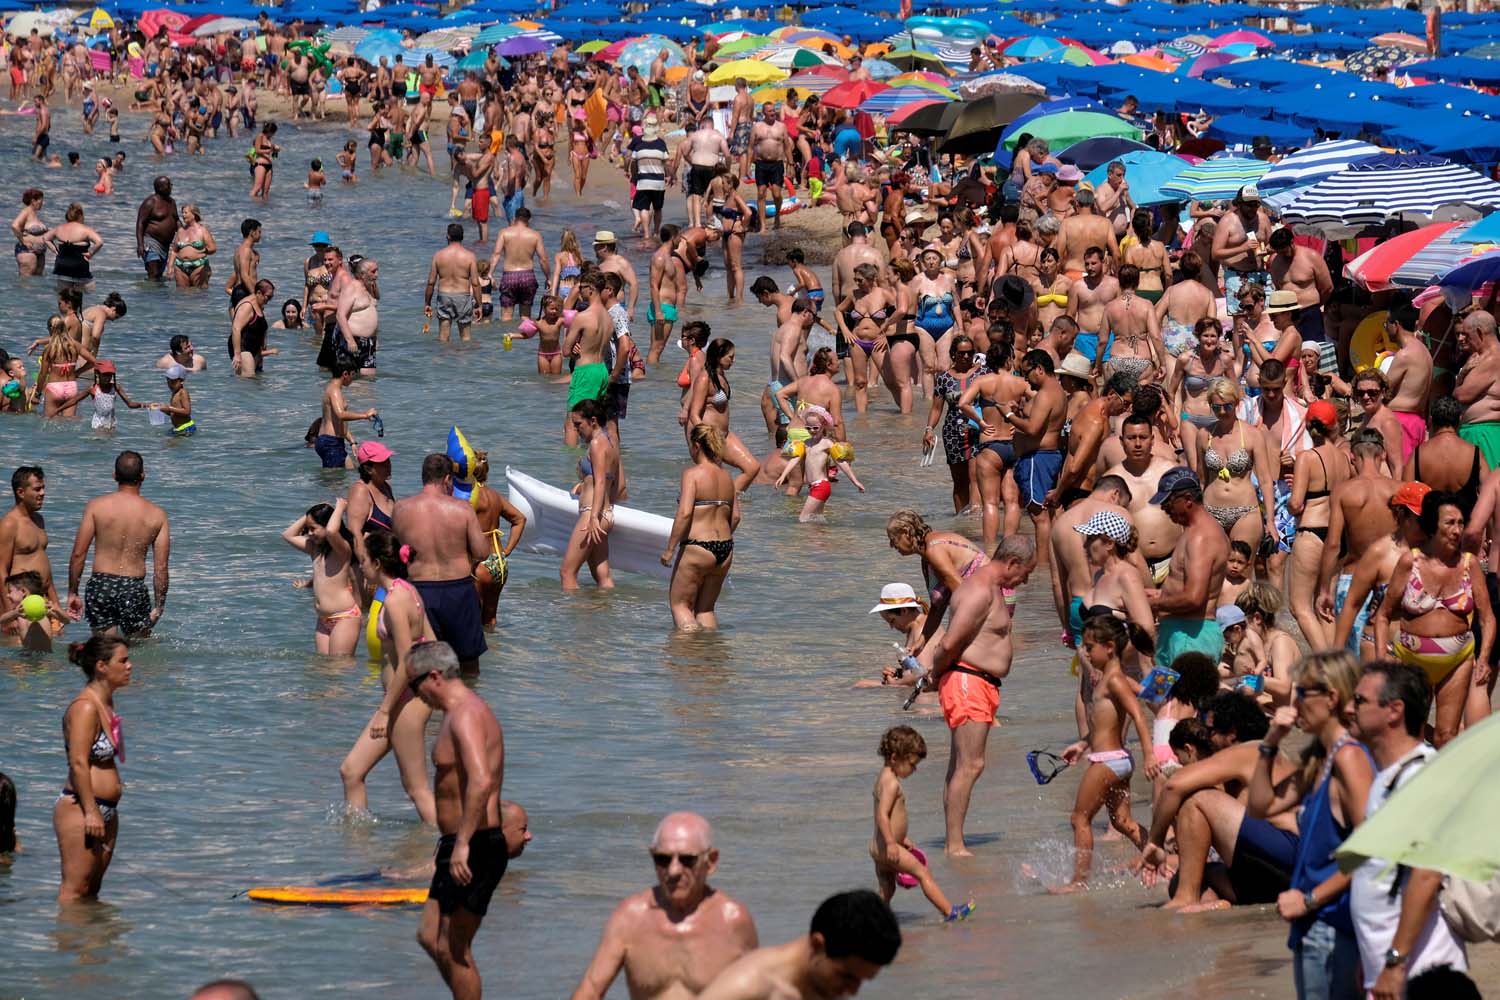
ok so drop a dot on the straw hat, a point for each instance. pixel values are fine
(1077, 365)
(1282, 300)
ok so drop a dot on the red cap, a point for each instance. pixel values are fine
(1410, 496)
(1323, 412)
(104, 367)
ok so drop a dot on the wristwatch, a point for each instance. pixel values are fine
(1394, 958)
(1310, 901)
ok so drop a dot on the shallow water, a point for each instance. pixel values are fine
(236, 729)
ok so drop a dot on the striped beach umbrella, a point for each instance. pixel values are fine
(1315, 163)
(1378, 188)
(894, 97)
(1213, 180)
(1410, 260)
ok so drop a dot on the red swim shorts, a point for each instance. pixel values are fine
(482, 204)
(820, 490)
(967, 698)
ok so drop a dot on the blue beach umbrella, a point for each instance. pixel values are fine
(642, 52)
(1145, 171)
(1032, 47)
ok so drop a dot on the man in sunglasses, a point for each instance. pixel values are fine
(1478, 385)
(1370, 390)
(468, 762)
(674, 938)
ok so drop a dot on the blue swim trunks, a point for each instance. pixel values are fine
(1175, 636)
(1036, 474)
(1087, 344)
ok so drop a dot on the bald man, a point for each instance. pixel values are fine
(225, 989)
(674, 938)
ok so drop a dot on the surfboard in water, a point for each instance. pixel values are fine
(313, 895)
(635, 542)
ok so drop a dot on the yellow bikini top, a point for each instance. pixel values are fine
(1052, 299)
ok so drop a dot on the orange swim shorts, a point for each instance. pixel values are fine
(968, 695)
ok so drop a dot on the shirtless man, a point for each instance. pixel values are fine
(1410, 377)
(1304, 271)
(1142, 469)
(1038, 441)
(517, 245)
(1241, 235)
(966, 665)
(1359, 515)
(591, 332)
(704, 149)
(246, 272)
(332, 432)
(1087, 299)
(446, 544)
(668, 287)
(299, 74)
(853, 936)
(1088, 432)
(671, 940)
(23, 534)
(1189, 596)
(156, 227)
(611, 261)
(1072, 576)
(357, 318)
(468, 762)
(788, 359)
(1083, 231)
(42, 137)
(1059, 340)
(121, 526)
(773, 155)
(454, 278)
(1370, 389)
(1478, 386)
(741, 115)
(180, 351)
(1112, 199)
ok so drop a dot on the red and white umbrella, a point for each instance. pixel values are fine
(1411, 260)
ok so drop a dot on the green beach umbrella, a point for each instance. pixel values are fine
(589, 48)
(750, 43)
(1444, 817)
(1067, 127)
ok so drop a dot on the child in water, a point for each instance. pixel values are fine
(817, 452)
(33, 635)
(103, 394)
(548, 328)
(180, 407)
(1107, 780)
(486, 294)
(891, 849)
(348, 160)
(334, 601)
(315, 181)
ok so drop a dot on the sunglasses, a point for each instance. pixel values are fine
(415, 683)
(1367, 392)
(963, 354)
(663, 860)
(1304, 693)
(1225, 407)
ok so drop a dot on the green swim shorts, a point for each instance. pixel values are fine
(1175, 636)
(1485, 436)
(589, 382)
(668, 312)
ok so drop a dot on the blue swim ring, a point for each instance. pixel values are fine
(956, 29)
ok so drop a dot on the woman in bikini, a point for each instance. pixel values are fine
(1140, 353)
(1228, 452)
(372, 507)
(599, 476)
(566, 267)
(1193, 375)
(702, 533)
(543, 147)
(864, 316)
(995, 459)
(1149, 255)
(1184, 305)
(30, 233)
(92, 320)
(334, 601)
(708, 403)
(1116, 590)
(86, 815)
(960, 439)
(948, 558)
(1316, 472)
(730, 206)
(1051, 287)
(187, 257)
(580, 150)
(1433, 596)
(63, 360)
(400, 721)
(161, 129)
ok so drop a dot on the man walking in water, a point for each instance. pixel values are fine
(23, 534)
(446, 544)
(966, 665)
(357, 318)
(468, 763)
(155, 227)
(517, 244)
(674, 938)
(124, 525)
(454, 277)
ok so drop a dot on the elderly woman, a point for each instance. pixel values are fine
(1228, 452)
(1332, 782)
(1184, 305)
(959, 438)
(30, 232)
(864, 316)
(247, 332)
(74, 245)
(702, 533)
(948, 558)
(1433, 596)
(187, 258)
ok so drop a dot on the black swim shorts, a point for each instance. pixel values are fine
(118, 602)
(770, 173)
(488, 859)
(699, 178)
(453, 609)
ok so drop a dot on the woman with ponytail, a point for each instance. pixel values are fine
(702, 532)
(86, 816)
(399, 722)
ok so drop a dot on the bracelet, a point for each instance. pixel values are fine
(1266, 750)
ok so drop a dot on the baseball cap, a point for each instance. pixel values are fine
(1323, 412)
(1044, 168)
(1410, 496)
(372, 451)
(1174, 480)
(1229, 615)
(604, 236)
(894, 597)
(176, 372)
(1107, 523)
(105, 367)
(320, 239)
(1248, 193)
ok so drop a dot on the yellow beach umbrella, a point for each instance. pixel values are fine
(753, 70)
(97, 19)
(589, 48)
